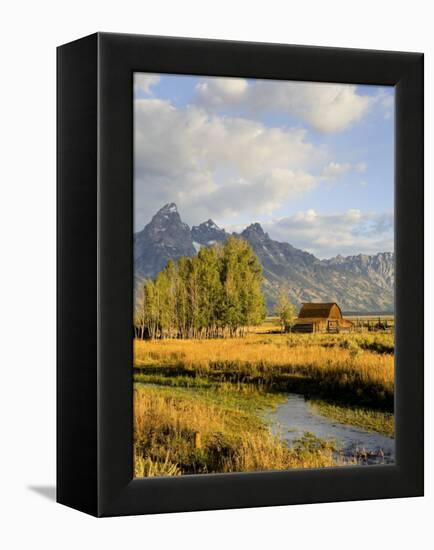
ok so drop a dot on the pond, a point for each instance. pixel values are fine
(292, 419)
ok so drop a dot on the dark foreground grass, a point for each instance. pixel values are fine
(177, 431)
(367, 419)
(343, 386)
(198, 404)
(331, 367)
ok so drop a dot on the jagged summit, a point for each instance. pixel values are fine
(165, 237)
(167, 211)
(362, 283)
(380, 267)
(208, 233)
(256, 230)
(210, 223)
(168, 219)
(168, 208)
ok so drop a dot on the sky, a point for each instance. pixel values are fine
(312, 162)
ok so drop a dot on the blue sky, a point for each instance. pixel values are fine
(313, 163)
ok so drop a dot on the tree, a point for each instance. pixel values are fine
(139, 313)
(218, 292)
(210, 289)
(284, 310)
(181, 296)
(150, 310)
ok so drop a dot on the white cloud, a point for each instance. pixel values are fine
(326, 107)
(215, 166)
(335, 169)
(143, 82)
(257, 196)
(326, 235)
(219, 91)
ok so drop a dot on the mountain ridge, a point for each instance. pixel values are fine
(362, 283)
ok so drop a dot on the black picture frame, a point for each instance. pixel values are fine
(95, 273)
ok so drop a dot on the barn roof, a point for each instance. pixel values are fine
(307, 320)
(318, 310)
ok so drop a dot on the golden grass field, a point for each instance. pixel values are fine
(232, 439)
(218, 388)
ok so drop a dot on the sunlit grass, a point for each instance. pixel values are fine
(232, 439)
(219, 389)
(336, 366)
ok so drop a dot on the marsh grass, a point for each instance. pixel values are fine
(233, 438)
(367, 419)
(335, 367)
(219, 389)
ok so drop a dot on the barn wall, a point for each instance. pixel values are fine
(335, 312)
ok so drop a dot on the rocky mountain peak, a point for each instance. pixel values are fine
(167, 212)
(362, 283)
(379, 268)
(165, 237)
(254, 230)
(207, 233)
(211, 224)
(169, 208)
(167, 220)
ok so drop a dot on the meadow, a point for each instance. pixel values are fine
(199, 404)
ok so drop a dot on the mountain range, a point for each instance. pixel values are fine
(361, 283)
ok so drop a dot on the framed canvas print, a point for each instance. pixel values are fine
(240, 274)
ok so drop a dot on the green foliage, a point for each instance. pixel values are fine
(216, 293)
(365, 418)
(284, 310)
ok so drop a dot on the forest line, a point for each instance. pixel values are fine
(216, 293)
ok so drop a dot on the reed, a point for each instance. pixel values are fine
(333, 366)
(372, 420)
(232, 439)
(198, 403)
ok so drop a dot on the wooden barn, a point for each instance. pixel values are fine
(321, 317)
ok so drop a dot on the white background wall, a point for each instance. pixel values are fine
(30, 31)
